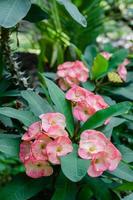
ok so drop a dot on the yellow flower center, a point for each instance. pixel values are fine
(91, 149)
(59, 149)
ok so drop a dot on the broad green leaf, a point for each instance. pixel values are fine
(123, 172)
(109, 48)
(6, 121)
(125, 92)
(37, 104)
(89, 54)
(89, 85)
(117, 58)
(74, 12)
(12, 11)
(62, 105)
(99, 188)
(73, 167)
(36, 14)
(129, 197)
(100, 66)
(99, 117)
(127, 153)
(85, 193)
(26, 117)
(9, 146)
(10, 93)
(9, 135)
(114, 122)
(23, 188)
(65, 189)
(128, 186)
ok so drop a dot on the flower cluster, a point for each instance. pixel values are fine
(121, 70)
(85, 103)
(103, 154)
(43, 144)
(71, 73)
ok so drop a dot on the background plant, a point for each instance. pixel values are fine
(58, 33)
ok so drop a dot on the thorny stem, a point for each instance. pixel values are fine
(75, 137)
(5, 49)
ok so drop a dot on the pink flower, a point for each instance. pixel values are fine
(106, 55)
(83, 111)
(61, 146)
(72, 73)
(33, 131)
(25, 151)
(122, 71)
(103, 154)
(38, 168)
(105, 160)
(56, 131)
(63, 84)
(38, 147)
(52, 119)
(78, 94)
(91, 143)
(86, 103)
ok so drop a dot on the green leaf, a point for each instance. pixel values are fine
(117, 58)
(65, 191)
(129, 197)
(123, 172)
(37, 105)
(74, 12)
(89, 54)
(62, 105)
(6, 121)
(12, 11)
(100, 66)
(99, 188)
(114, 122)
(85, 193)
(124, 187)
(88, 85)
(23, 188)
(99, 117)
(26, 117)
(36, 14)
(9, 146)
(126, 92)
(73, 167)
(127, 153)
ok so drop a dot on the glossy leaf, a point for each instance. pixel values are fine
(23, 188)
(99, 188)
(73, 167)
(37, 104)
(117, 58)
(99, 117)
(128, 186)
(9, 146)
(125, 92)
(74, 12)
(100, 66)
(36, 14)
(89, 54)
(26, 117)
(114, 122)
(127, 153)
(61, 104)
(123, 172)
(65, 191)
(11, 12)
